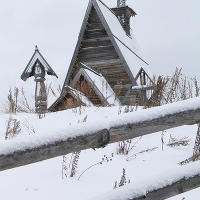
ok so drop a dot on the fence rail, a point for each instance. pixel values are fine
(167, 118)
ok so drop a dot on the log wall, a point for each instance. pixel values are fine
(98, 53)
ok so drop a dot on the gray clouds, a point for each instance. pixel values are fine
(167, 33)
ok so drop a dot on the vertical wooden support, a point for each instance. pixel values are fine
(197, 143)
(143, 91)
(40, 89)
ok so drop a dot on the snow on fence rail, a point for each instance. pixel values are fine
(168, 185)
(22, 151)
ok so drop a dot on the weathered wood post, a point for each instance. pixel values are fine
(38, 67)
(40, 90)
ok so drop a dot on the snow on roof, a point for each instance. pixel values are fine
(101, 86)
(37, 56)
(79, 96)
(127, 44)
(140, 87)
(104, 88)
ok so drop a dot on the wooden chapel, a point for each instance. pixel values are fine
(106, 68)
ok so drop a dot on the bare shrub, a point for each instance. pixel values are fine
(13, 100)
(172, 89)
(176, 142)
(13, 128)
(197, 142)
(123, 181)
(74, 164)
(196, 151)
(105, 159)
(196, 87)
(123, 178)
(158, 92)
(124, 147)
(64, 167)
(69, 169)
(17, 101)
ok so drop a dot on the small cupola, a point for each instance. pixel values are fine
(124, 13)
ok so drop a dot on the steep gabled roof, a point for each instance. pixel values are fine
(126, 43)
(99, 85)
(37, 56)
(79, 96)
(123, 44)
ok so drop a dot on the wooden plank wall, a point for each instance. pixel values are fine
(98, 53)
(83, 86)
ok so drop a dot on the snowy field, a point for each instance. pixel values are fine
(146, 166)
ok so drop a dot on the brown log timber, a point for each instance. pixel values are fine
(101, 138)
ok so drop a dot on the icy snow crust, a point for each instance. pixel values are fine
(55, 128)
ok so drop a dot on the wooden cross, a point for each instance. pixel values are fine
(38, 67)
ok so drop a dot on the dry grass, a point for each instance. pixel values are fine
(176, 142)
(196, 151)
(13, 128)
(17, 101)
(123, 180)
(105, 159)
(124, 147)
(173, 88)
(70, 166)
(74, 164)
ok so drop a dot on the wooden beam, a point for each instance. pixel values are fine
(162, 121)
(174, 189)
(101, 63)
(99, 57)
(97, 49)
(91, 26)
(97, 54)
(127, 86)
(95, 35)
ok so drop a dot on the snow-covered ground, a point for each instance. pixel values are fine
(146, 165)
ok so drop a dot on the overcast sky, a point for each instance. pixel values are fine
(168, 34)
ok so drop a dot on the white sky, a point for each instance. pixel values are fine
(168, 33)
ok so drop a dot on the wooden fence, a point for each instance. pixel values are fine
(170, 119)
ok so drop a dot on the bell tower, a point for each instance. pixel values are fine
(121, 3)
(124, 13)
